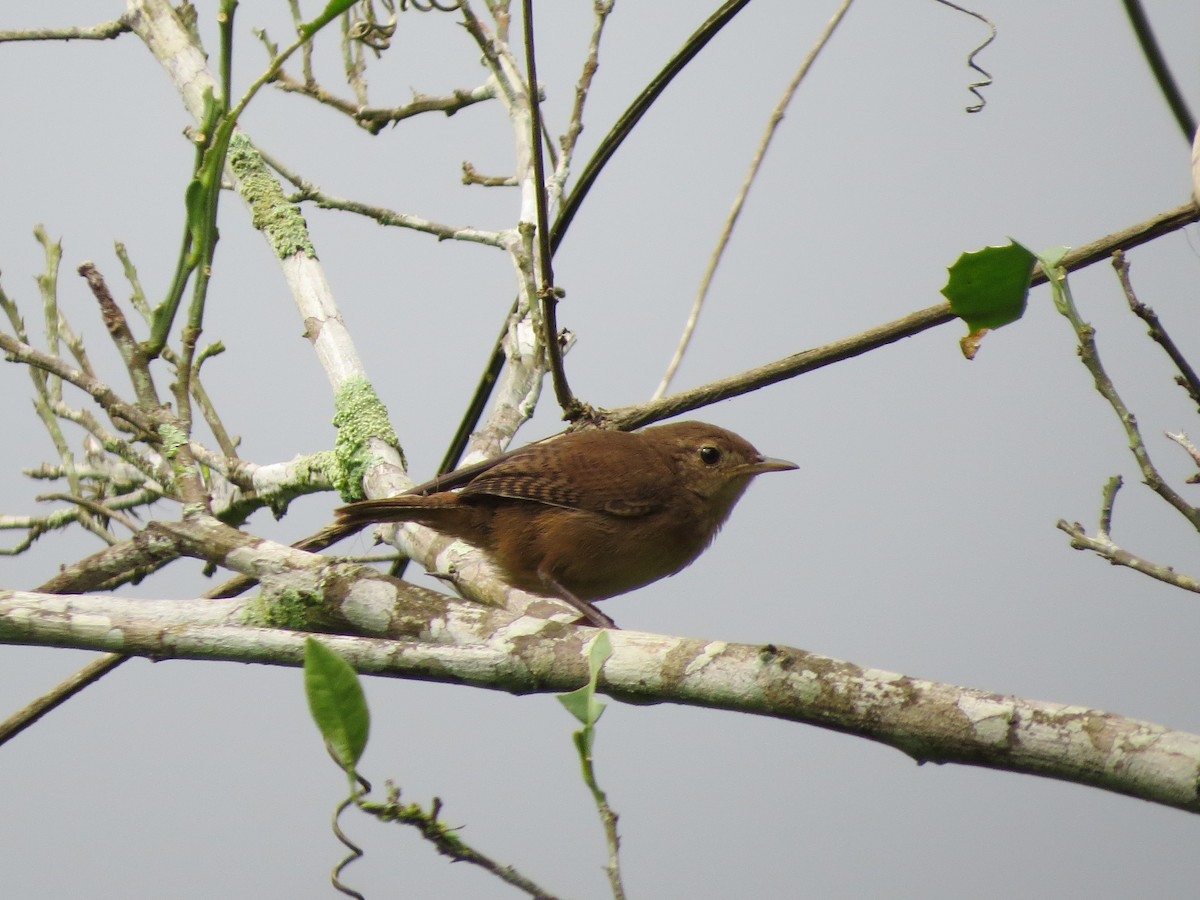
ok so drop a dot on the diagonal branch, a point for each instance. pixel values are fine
(629, 417)
(1187, 379)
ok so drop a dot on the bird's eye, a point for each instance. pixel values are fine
(710, 455)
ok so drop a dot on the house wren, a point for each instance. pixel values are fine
(591, 514)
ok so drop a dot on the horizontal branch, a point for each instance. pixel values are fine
(929, 721)
(375, 118)
(1104, 546)
(102, 32)
(309, 192)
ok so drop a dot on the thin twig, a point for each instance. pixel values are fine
(1102, 544)
(375, 118)
(102, 32)
(472, 176)
(354, 61)
(100, 392)
(1118, 557)
(740, 200)
(99, 509)
(1192, 450)
(35, 709)
(546, 291)
(446, 839)
(307, 191)
(48, 389)
(1107, 502)
(1187, 378)
(1089, 355)
(136, 362)
(601, 9)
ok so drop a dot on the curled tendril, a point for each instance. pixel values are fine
(376, 36)
(354, 854)
(975, 86)
(428, 5)
(371, 31)
(362, 787)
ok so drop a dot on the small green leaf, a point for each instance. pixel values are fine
(334, 9)
(195, 200)
(988, 288)
(582, 703)
(336, 701)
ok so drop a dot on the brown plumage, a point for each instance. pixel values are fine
(591, 514)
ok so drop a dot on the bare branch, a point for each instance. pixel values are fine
(629, 417)
(102, 32)
(309, 191)
(375, 118)
(136, 362)
(1187, 379)
(1192, 450)
(1102, 545)
(1089, 355)
(471, 175)
(35, 709)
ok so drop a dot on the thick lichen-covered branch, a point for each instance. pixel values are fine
(929, 721)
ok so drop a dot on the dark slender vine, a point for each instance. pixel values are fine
(547, 293)
(1158, 65)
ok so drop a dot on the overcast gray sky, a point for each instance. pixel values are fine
(918, 535)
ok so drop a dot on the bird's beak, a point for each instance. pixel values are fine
(770, 464)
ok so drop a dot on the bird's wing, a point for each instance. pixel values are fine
(630, 481)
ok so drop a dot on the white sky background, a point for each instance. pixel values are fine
(918, 535)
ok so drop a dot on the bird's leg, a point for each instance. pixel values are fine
(591, 615)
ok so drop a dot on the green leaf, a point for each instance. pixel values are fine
(336, 701)
(582, 703)
(195, 200)
(988, 288)
(334, 9)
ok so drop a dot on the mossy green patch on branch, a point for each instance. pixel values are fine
(360, 416)
(172, 439)
(316, 468)
(271, 212)
(289, 609)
